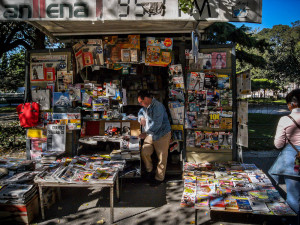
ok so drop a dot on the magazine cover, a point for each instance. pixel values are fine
(125, 128)
(74, 93)
(213, 98)
(193, 107)
(49, 73)
(191, 119)
(175, 70)
(191, 96)
(214, 119)
(125, 55)
(218, 60)
(207, 63)
(196, 81)
(201, 98)
(42, 97)
(178, 82)
(226, 98)
(64, 79)
(37, 72)
(199, 138)
(158, 51)
(280, 209)
(176, 95)
(190, 138)
(96, 48)
(177, 112)
(112, 128)
(61, 99)
(56, 137)
(225, 140)
(223, 81)
(210, 81)
(39, 144)
(202, 118)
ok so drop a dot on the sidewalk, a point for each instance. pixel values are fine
(142, 204)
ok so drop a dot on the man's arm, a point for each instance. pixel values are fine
(142, 117)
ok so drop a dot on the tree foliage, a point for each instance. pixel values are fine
(283, 59)
(258, 84)
(249, 49)
(12, 71)
(15, 35)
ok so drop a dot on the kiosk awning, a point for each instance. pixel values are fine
(84, 17)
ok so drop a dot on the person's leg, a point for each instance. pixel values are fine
(161, 147)
(292, 192)
(147, 151)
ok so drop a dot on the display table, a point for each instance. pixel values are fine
(231, 188)
(103, 183)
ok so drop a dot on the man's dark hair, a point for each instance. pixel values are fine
(293, 97)
(144, 93)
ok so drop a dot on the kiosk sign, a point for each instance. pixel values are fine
(113, 10)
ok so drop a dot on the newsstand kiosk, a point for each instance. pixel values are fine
(87, 91)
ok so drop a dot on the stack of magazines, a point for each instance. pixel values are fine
(82, 169)
(17, 193)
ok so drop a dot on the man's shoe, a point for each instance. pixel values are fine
(155, 183)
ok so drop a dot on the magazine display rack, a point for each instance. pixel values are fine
(210, 109)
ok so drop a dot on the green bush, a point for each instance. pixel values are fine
(12, 136)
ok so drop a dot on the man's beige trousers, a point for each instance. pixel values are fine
(161, 147)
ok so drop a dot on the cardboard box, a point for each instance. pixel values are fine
(20, 213)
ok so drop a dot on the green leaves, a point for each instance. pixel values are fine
(186, 5)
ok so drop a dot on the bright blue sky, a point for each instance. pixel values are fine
(275, 12)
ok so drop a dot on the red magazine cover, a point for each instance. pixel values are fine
(49, 73)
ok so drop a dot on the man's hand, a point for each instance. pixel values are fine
(143, 121)
(142, 135)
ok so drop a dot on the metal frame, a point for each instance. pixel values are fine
(235, 155)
